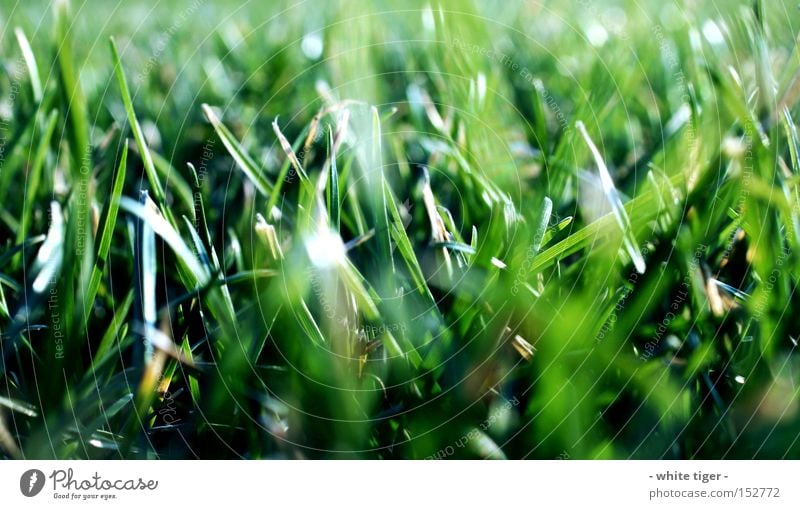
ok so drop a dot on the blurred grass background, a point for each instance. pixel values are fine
(361, 230)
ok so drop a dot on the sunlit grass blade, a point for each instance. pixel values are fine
(406, 250)
(138, 135)
(30, 62)
(108, 224)
(145, 277)
(18, 406)
(174, 181)
(51, 254)
(620, 214)
(287, 149)
(238, 153)
(164, 230)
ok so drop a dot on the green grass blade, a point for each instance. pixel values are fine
(238, 153)
(170, 235)
(620, 214)
(138, 135)
(334, 200)
(406, 250)
(30, 62)
(35, 175)
(107, 226)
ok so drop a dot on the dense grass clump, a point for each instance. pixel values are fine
(354, 230)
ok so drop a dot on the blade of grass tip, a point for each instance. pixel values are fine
(269, 236)
(202, 227)
(34, 176)
(403, 244)
(438, 229)
(144, 257)
(50, 256)
(610, 191)
(356, 283)
(283, 174)
(541, 227)
(382, 219)
(199, 207)
(287, 148)
(30, 62)
(238, 153)
(334, 200)
(212, 263)
(553, 231)
(539, 127)
(309, 325)
(170, 235)
(200, 249)
(18, 406)
(138, 135)
(108, 224)
(173, 179)
(642, 209)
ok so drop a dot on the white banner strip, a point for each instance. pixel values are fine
(387, 485)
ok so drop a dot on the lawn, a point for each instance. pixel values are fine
(420, 230)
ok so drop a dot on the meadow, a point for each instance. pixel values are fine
(367, 230)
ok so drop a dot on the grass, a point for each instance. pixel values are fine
(447, 230)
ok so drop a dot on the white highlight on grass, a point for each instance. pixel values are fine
(164, 229)
(596, 34)
(325, 249)
(481, 88)
(427, 18)
(312, 45)
(611, 194)
(51, 253)
(712, 33)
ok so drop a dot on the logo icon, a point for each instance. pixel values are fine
(31, 482)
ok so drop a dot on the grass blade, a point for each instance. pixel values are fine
(108, 224)
(30, 62)
(610, 191)
(238, 153)
(35, 175)
(138, 135)
(334, 200)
